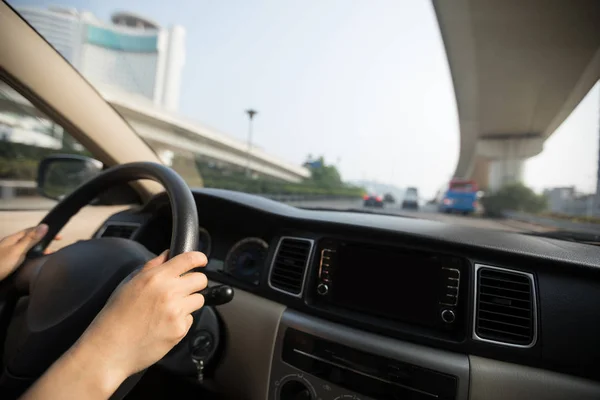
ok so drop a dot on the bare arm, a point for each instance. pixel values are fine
(81, 372)
(144, 318)
(78, 374)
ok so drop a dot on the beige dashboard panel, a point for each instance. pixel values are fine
(251, 323)
(496, 380)
(82, 226)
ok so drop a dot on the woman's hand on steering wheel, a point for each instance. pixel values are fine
(14, 248)
(147, 315)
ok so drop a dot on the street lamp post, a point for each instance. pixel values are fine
(251, 113)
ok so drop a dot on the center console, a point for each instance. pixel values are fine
(392, 285)
(317, 359)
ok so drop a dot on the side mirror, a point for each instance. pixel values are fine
(59, 175)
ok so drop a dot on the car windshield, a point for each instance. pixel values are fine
(423, 108)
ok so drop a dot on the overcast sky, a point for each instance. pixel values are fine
(364, 83)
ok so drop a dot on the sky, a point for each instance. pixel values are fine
(364, 83)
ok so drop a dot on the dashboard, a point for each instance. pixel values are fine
(238, 250)
(391, 307)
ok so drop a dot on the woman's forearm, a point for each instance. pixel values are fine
(77, 374)
(145, 317)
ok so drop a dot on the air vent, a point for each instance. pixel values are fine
(505, 308)
(289, 265)
(121, 230)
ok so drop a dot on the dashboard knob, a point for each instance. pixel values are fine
(294, 390)
(322, 289)
(448, 316)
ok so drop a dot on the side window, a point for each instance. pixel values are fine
(26, 137)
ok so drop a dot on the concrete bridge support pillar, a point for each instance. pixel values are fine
(507, 155)
(503, 172)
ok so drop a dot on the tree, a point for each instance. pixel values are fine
(513, 197)
(323, 175)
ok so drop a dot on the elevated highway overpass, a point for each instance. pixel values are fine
(169, 132)
(519, 68)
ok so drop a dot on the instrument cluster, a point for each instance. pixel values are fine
(245, 261)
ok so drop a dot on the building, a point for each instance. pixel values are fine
(132, 53)
(565, 200)
(560, 198)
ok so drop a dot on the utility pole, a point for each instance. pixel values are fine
(251, 113)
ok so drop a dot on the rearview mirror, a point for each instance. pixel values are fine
(59, 175)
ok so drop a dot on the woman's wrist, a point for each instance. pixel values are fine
(92, 370)
(78, 374)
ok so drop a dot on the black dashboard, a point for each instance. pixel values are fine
(512, 297)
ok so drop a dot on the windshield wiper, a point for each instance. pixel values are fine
(572, 236)
(357, 210)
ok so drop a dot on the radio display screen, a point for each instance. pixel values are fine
(386, 282)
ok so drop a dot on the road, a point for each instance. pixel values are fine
(427, 212)
(26, 203)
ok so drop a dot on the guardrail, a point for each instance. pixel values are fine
(8, 189)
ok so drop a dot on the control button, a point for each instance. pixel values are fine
(322, 289)
(449, 300)
(451, 273)
(452, 291)
(448, 316)
(294, 390)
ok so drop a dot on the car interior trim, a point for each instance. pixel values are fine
(252, 324)
(534, 306)
(498, 380)
(357, 371)
(433, 359)
(565, 334)
(306, 265)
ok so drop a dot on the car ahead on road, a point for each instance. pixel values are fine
(460, 197)
(389, 198)
(373, 200)
(411, 199)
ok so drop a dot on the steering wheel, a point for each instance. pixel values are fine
(67, 289)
